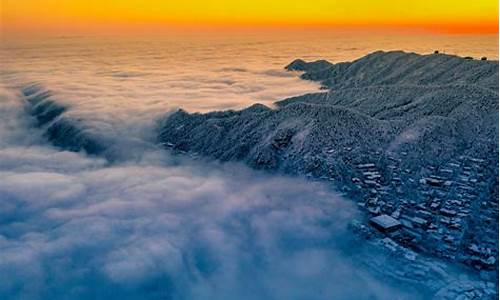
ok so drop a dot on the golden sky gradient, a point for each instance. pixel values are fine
(101, 16)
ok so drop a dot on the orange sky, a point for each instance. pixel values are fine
(105, 16)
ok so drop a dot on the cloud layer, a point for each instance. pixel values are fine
(150, 226)
(75, 227)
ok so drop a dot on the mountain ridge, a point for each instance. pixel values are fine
(409, 117)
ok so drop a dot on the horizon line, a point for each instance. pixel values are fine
(479, 28)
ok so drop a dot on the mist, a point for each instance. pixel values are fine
(139, 223)
(75, 226)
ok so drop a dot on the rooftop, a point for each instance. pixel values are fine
(385, 222)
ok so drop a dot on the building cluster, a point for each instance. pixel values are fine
(448, 211)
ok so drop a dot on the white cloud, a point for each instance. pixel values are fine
(155, 227)
(76, 227)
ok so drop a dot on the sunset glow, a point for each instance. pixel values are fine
(97, 16)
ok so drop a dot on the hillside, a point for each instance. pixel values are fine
(381, 113)
(408, 117)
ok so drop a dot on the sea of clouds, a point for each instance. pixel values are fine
(154, 226)
(147, 225)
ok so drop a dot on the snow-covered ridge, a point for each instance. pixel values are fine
(410, 116)
(69, 131)
(65, 132)
(384, 101)
(398, 67)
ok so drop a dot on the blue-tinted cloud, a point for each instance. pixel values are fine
(154, 227)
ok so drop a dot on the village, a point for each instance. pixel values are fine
(447, 211)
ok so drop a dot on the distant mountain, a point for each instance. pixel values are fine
(398, 67)
(64, 132)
